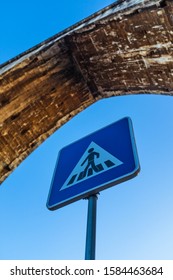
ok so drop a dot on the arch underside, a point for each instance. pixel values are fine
(126, 48)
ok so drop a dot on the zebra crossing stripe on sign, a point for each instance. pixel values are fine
(94, 161)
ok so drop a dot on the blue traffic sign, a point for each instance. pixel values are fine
(94, 163)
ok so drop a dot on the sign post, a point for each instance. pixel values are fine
(91, 228)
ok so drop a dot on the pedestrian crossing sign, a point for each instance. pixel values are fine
(94, 163)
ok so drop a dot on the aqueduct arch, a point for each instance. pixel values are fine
(125, 48)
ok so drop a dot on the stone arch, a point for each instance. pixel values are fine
(125, 48)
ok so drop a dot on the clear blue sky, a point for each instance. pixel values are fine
(134, 219)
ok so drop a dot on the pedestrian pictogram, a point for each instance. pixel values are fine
(94, 161)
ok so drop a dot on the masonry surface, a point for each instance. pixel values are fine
(126, 48)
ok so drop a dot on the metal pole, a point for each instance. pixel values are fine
(91, 228)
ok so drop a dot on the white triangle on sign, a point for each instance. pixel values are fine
(94, 161)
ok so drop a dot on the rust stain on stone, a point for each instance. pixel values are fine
(126, 48)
